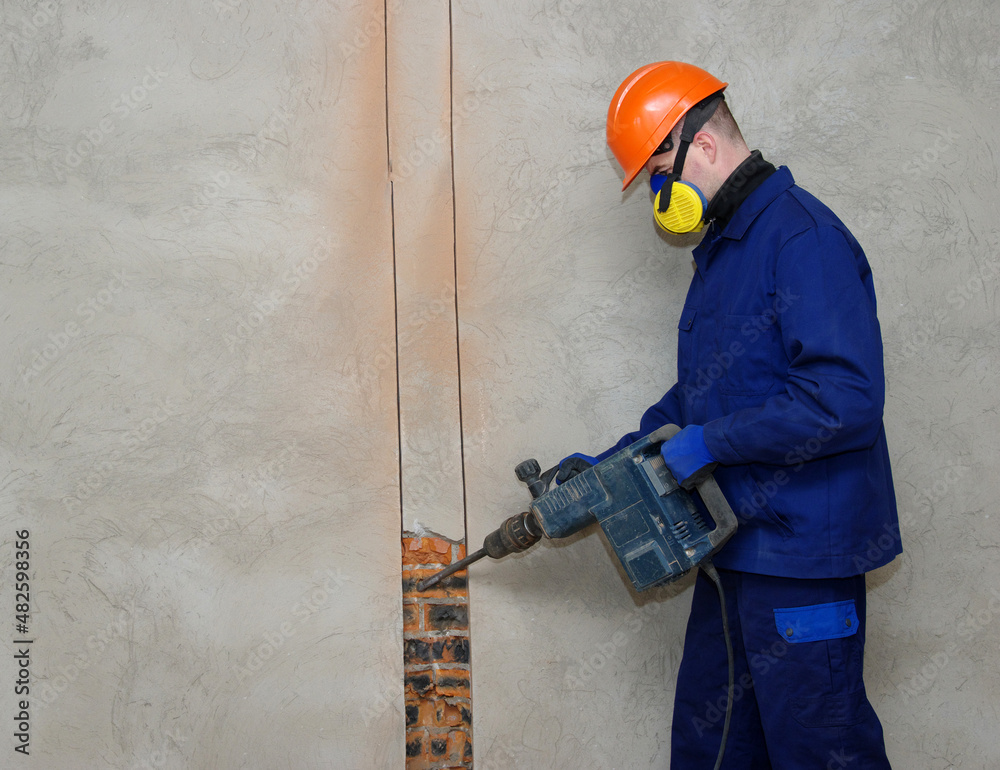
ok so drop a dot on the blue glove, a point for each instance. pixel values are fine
(687, 456)
(572, 465)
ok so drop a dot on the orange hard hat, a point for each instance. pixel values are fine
(648, 105)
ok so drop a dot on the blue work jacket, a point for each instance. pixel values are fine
(779, 357)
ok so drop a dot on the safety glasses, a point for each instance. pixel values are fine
(665, 146)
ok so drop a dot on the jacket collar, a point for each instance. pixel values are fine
(768, 191)
(757, 201)
(746, 178)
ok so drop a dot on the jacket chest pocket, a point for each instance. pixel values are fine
(751, 346)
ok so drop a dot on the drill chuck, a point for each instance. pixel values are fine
(517, 534)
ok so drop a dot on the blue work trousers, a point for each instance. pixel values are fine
(799, 700)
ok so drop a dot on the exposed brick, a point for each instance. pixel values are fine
(420, 651)
(422, 559)
(444, 617)
(451, 587)
(452, 715)
(421, 713)
(411, 617)
(452, 649)
(437, 700)
(426, 550)
(418, 684)
(459, 746)
(416, 652)
(452, 682)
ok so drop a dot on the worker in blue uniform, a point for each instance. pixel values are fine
(780, 389)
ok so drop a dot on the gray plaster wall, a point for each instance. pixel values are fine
(231, 294)
(199, 423)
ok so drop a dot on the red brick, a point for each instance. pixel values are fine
(418, 684)
(411, 617)
(439, 746)
(421, 713)
(415, 747)
(417, 558)
(452, 682)
(417, 652)
(458, 741)
(421, 550)
(451, 649)
(422, 650)
(424, 761)
(452, 586)
(446, 617)
(452, 715)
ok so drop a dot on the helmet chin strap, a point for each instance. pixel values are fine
(694, 120)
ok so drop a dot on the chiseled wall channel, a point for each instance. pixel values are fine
(203, 309)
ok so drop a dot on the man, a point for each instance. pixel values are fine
(780, 382)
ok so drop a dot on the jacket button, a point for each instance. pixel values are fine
(848, 622)
(788, 632)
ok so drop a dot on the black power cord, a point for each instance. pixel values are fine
(713, 574)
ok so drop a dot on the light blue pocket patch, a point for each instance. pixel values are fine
(817, 622)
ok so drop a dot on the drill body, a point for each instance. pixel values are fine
(658, 530)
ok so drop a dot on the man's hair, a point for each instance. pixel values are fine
(722, 124)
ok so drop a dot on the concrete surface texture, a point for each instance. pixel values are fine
(281, 280)
(199, 430)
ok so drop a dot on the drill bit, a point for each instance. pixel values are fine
(461, 564)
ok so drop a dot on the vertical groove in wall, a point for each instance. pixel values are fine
(454, 240)
(395, 293)
(458, 345)
(437, 677)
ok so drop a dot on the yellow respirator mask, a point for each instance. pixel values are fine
(679, 207)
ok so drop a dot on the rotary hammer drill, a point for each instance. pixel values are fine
(658, 530)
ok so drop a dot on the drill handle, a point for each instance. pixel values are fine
(709, 491)
(530, 472)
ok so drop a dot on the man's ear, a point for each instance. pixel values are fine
(705, 142)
